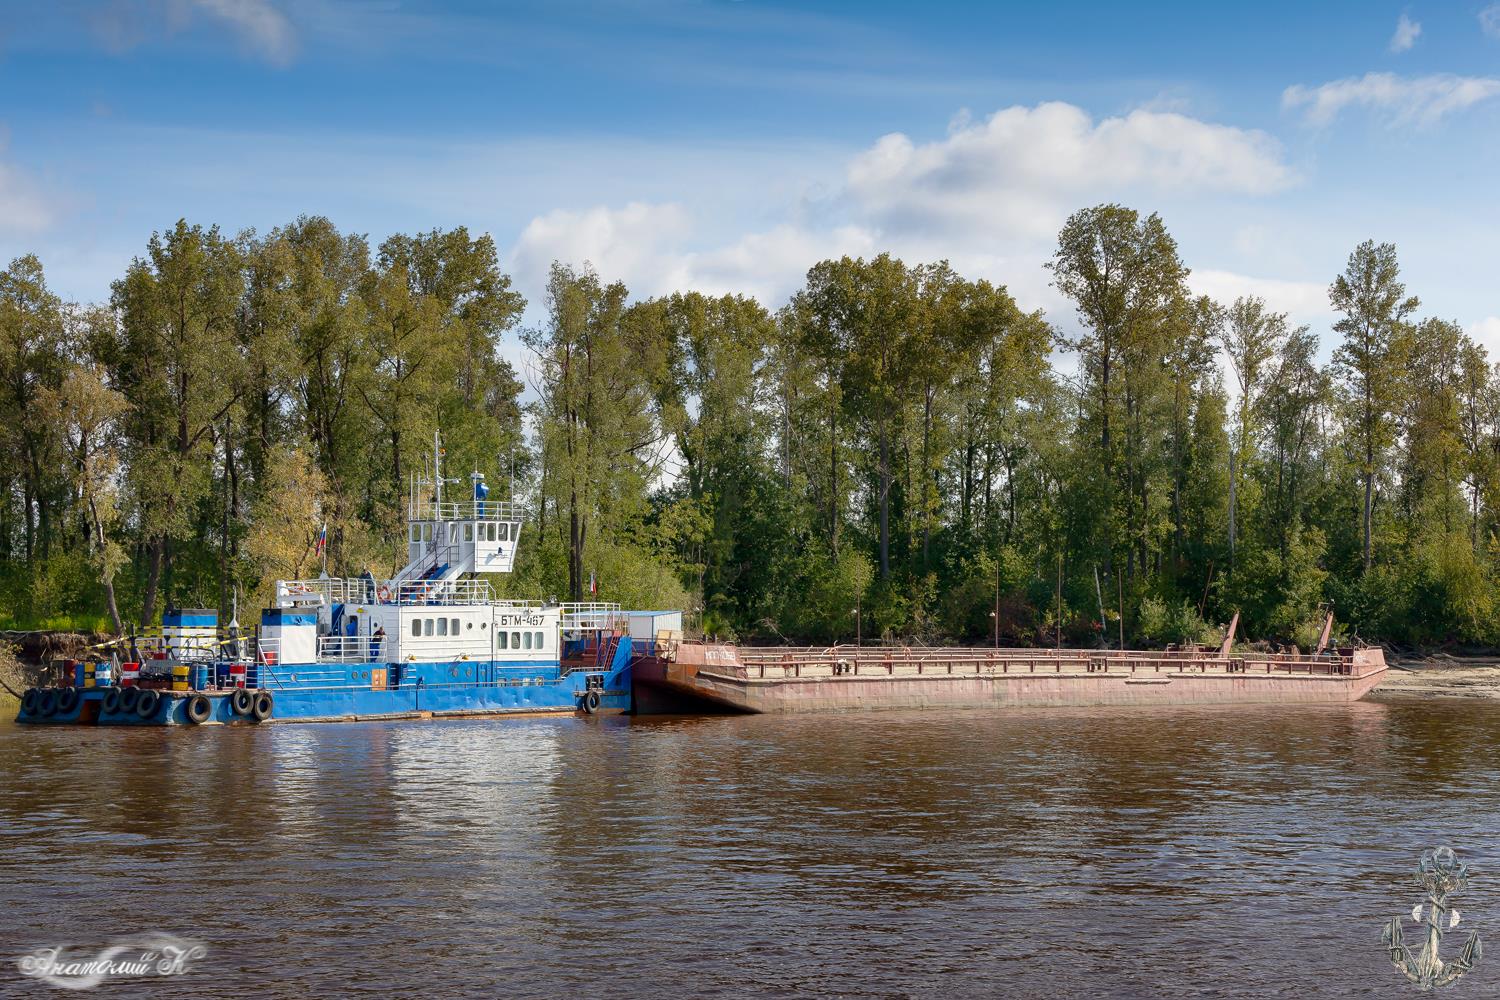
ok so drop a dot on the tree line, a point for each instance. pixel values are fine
(897, 450)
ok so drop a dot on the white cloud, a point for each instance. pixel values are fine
(1302, 301)
(259, 22)
(1489, 20)
(1422, 100)
(1018, 170)
(625, 244)
(651, 247)
(24, 207)
(1487, 333)
(990, 197)
(1406, 34)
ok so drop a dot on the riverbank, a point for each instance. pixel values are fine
(1440, 676)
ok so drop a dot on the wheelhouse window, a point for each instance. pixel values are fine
(505, 532)
(538, 640)
(527, 636)
(426, 626)
(416, 626)
(442, 626)
(515, 640)
(453, 625)
(504, 639)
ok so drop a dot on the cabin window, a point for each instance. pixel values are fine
(414, 532)
(505, 532)
(468, 532)
(504, 637)
(442, 626)
(515, 530)
(490, 534)
(416, 626)
(539, 640)
(528, 639)
(426, 626)
(453, 626)
(515, 640)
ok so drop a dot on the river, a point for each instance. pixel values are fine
(1069, 853)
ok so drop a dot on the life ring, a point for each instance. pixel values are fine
(384, 593)
(128, 697)
(111, 703)
(147, 702)
(198, 709)
(46, 703)
(67, 700)
(241, 701)
(263, 706)
(591, 702)
(29, 700)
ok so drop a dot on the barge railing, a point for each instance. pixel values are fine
(833, 661)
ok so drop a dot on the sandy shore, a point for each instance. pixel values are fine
(1440, 676)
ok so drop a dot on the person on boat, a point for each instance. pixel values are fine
(376, 640)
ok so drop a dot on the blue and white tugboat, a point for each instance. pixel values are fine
(430, 641)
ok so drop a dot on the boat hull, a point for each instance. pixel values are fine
(420, 691)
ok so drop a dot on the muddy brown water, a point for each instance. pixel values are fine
(1137, 853)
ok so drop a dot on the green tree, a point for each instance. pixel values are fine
(1374, 306)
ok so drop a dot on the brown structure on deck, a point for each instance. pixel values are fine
(691, 676)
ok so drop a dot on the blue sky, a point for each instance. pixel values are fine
(728, 145)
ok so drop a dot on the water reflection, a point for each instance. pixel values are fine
(1182, 852)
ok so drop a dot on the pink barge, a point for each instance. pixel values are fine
(690, 676)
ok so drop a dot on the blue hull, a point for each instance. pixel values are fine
(346, 692)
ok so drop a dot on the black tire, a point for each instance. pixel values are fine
(263, 707)
(198, 709)
(241, 701)
(112, 698)
(128, 697)
(591, 702)
(147, 702)
(29, 700)
(67, 700)
(46, 703)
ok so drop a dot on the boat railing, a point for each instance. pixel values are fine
(359, 590)
(467, 510)
(591, 615)
(465, 590)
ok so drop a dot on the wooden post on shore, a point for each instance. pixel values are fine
(1059, 602)
(1120, 589)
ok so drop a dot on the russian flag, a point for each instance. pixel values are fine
(322, 539)
(593, 584)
